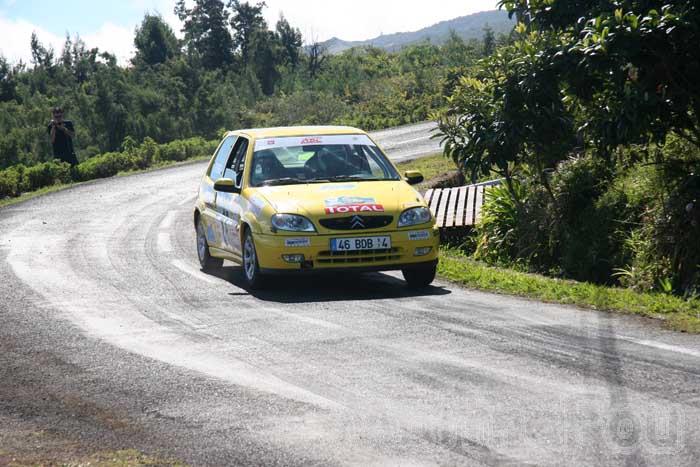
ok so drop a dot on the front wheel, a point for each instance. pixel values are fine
(206, 261)
(251, 267)
(420, 277)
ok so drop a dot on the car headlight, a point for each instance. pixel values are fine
(292, 223)
(415, 216)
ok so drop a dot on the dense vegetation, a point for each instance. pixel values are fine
(231, 70)
(592, 118)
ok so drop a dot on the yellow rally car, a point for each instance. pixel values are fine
(296, 199)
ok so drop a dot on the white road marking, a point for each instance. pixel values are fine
(660, 346)
(188, 200)
(168, 220)
(303, 319)
(188, 269)
(163, 242)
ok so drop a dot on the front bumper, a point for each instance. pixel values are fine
(405, 244)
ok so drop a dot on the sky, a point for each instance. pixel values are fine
(110, 25)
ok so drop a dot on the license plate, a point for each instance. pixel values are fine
(361, 243)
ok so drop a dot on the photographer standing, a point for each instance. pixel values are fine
(62, 132)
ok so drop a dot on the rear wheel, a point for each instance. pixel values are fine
(251, 268)
(420, 277)
(206, 261)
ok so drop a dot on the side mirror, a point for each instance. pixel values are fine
(413, 177)
(226, 185)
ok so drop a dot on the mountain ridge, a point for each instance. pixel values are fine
(467, 27)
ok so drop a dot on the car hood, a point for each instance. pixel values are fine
(342, 199)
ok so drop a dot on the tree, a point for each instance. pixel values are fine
(291, 40)
(66, 54)
(634, 68)
(207, 37)
(155, 41)
(489, 41)
(266, 50)
(511, 113)
(317, 57)
(246, 21)
(455, 52)
(8, 81)
(41, 56)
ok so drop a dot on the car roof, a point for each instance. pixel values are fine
(278, 132)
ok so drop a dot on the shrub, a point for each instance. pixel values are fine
(576, 229)
(173, 151)
(498, 231)
(47, 174)
(19, 179)
(106, 165)
(10, 181)
(588, 216)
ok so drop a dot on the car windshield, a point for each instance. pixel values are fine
(319, 159)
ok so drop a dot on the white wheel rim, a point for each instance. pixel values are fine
(249, 258)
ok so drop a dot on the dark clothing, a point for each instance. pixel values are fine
(63, 145)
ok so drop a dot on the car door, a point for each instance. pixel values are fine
(229, 205)
(213, 221)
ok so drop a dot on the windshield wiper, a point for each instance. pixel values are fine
(349, 178)
(284, 181)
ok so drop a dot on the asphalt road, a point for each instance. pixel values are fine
(409, 142)
(111, 337)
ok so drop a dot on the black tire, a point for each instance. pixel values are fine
(206, 261)
(251, 267)
(420, 277)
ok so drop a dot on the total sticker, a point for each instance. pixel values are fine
(419, 235)
(352, 204)
(297, 242)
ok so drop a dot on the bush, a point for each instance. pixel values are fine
(589, 218)
(47, 174)
(11, 181)
(18, 179)
(106, 165)
(301, 108)
(499, 233)
(576, 229)
(173, 152)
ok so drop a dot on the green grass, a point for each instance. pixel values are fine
(676, 313)
(33, 194)
(124, 458)
(54, 188)
(431, 166)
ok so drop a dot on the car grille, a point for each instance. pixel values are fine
(358, 257)
(356, 222)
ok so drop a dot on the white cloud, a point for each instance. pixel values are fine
(165, 8)
(18, 34)
(117, 40)
(112, 38)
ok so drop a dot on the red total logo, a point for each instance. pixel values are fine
(354, 208)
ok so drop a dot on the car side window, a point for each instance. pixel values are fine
(222, 157)
(237, 160)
